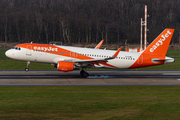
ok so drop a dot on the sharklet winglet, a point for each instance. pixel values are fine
(116, 54)
(99, 45)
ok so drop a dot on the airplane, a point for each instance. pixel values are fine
(68, 58)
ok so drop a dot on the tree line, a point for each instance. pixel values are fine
(85, 21)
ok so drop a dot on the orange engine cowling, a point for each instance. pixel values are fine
(65, 66)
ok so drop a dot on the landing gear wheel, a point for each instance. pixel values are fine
(26, 69)
(84, 73)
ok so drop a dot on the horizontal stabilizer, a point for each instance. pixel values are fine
(166, 60)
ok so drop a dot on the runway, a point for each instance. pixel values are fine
(96, 78)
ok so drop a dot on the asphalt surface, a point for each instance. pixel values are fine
(96, 78)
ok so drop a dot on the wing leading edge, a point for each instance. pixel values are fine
(94, 60)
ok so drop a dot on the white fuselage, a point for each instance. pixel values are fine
(123, 60)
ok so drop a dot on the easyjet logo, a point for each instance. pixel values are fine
(45, 48)
(160, 42)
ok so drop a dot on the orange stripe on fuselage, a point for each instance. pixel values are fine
(52, 49)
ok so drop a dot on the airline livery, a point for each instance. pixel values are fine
(66, 58)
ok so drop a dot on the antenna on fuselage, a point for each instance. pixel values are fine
(31, 42)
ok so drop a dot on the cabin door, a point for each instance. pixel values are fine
(29, 50)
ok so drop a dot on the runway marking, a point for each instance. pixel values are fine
(175, 74)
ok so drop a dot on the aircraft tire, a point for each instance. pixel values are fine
(26, 69)
(84, 73)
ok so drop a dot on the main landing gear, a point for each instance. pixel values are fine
(84, 73)
(27, 69)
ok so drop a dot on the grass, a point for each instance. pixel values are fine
(10, 64)
(87, 103)
(172, 53)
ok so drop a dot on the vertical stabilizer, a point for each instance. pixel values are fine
(160, 45)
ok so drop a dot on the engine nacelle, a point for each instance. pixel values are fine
(65, 66)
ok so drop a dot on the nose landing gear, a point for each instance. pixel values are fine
(27, 69)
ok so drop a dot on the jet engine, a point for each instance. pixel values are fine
(65, 66)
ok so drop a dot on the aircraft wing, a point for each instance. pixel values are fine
(94, 60)
(88, 60)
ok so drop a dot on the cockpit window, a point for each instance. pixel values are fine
(16, 48)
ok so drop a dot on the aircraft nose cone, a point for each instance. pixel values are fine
(8, 53)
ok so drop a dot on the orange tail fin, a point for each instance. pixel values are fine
(160, 45)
